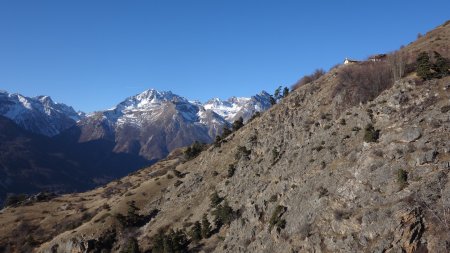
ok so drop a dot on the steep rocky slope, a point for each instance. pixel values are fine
(303, 177)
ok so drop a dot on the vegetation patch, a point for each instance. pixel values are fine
(133, 218)
(276, 220)
(242, 152)
(445, 109)
(171, 242)
(402, 178)
(231, 170)
(370, 134)
(194, 150)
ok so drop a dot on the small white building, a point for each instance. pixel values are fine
(378, 57)
(349, 61)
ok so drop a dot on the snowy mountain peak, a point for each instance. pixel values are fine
(155, 96)
(38, 114)
(235, 107)
(148, 99)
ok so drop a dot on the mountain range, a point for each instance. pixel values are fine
(138, 131)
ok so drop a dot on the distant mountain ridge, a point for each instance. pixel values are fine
(153, 123)
(235, 107)
(39, 114)
(42, 115)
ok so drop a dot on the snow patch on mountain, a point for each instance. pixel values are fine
(38, 114)
(235, 107)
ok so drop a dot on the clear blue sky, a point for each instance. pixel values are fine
(91, 54)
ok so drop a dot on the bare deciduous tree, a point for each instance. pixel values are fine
(308, 78)
(397, 62)
(362, 82)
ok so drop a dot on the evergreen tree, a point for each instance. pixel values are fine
(441, 66)
(272, 100)
(285, 92)
(223, 214)
(206, 227)
(180, 241)
(225, 132)
(172, 242)
(194, 150)
(215, 199)
(423, 66)
(277, 93)
(158, 243)
(132, 246)
(238, 124)
(196, 232)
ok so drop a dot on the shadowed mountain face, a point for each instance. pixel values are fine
(31, 163)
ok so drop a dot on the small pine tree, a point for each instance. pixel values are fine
(225, 132)
(441, 66)
(180, 241)
(423, 66)
(231, 170)
(158, 242)
(194, 150)
(215, 199)
(237, 124)
(196, 232)
(277, 93)
(285, 92)
(370, 134)
(223, 214)
(272, 100)
(206, 227)
(132, 246)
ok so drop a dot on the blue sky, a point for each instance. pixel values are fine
(93, 54)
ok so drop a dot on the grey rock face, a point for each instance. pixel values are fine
(411, 134)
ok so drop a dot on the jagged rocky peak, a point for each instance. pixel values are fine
(235, 107)
(149, 98)
(38, 114)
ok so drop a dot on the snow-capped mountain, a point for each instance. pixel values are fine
(149, 124)
(152, 124)
(234, 107)
(38, 114)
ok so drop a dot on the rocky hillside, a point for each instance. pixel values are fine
(315, 173)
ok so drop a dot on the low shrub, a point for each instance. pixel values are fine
(370, 134)
(402, 178)
(194, 150)
(276, 220)
(231, 170)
